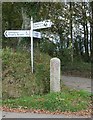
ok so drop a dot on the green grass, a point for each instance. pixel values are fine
(68, 100)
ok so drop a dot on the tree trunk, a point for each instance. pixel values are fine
(90, 39)
(91, 4)
(25, 24)
(92, 34)
(81, 47)
(85, 33)
(87, 49)
(71, 32)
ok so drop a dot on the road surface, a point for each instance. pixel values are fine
(77, 82)
(35, 115)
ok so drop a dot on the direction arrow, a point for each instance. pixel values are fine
(21, 33)
(42, 24)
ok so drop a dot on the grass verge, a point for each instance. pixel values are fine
(17, 78)
(68, 100)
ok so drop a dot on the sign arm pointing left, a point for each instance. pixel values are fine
(29, 33)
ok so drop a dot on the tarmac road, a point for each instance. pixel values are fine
(77, 83)
(35, 115)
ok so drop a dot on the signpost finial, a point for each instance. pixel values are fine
(31, 18)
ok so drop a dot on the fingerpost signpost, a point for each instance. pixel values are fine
(30, 33)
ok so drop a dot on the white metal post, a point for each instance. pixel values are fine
(31, 32)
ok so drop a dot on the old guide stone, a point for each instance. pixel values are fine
(55, 75)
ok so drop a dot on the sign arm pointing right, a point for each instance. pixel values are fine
(29, 33)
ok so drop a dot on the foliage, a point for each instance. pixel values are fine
(67, 100)
(79, 66)
(42, 73)
(11, 19)
(71, 21)
(48, 47)
(65, 56)
(17, 77)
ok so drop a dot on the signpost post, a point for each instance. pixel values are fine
(29, 33)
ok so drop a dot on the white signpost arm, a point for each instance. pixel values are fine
(31, 32)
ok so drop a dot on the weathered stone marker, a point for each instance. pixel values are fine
(55, 75)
